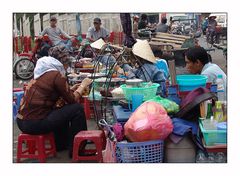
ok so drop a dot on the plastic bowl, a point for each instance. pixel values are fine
(222, 126)
(191, 82)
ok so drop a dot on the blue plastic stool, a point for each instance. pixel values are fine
(14, 110)
(19, 96)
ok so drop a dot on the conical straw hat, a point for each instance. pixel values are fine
(98, 44)
(142, 49)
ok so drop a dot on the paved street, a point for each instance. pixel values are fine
(62, 157)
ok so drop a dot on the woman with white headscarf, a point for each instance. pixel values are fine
(39, 114)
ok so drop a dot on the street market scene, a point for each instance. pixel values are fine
(120, 87)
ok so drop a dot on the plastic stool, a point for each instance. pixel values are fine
(14, 110)
(17, 89)
(36, 148)
(97, 137)
(19, 96)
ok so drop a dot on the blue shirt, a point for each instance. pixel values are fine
(107, 59)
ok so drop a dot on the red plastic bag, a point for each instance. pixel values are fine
(149, 122)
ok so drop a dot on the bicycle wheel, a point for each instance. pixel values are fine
(24, 68)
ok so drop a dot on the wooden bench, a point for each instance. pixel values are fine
(157, 43)
(172, 44)
(178, 42)
(168, 41)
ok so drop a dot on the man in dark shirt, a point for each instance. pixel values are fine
(143, 22)
(212, 23)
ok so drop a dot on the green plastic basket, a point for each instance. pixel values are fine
(213, 137)
(148, 92)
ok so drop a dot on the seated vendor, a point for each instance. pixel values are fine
(198, 62)
(146, 68)
(97, 31)
(106, 58)
(49, 104)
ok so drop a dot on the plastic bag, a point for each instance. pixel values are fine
(149, 122)
(109, 154)
(97, 95)
(118, 131)
(170, 106)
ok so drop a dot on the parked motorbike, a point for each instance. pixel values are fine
(190, 30)
(146, 33)
(24, 64)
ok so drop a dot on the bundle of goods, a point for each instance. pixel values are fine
(105, 85)
(144, 135)
(117, 93)
(149, 122)
(170, 106)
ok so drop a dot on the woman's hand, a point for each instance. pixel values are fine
(86, 82)
(75, 86)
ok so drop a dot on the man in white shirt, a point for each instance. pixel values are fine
(54, 33)
(96, 32)
(197, 62)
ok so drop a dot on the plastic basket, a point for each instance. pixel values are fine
(190, 82)
(213, 137)
(140, 152)
(148, 92)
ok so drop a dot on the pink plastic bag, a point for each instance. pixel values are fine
(109, 154)
(149, 122)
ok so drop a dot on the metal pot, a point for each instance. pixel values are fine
(134, 82)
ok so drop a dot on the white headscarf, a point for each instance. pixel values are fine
(46, 64)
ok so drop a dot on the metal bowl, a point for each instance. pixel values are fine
(134, 82)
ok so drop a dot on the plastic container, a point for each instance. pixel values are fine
(137, 100)
(218, 114)
(209, 124)
(220, 88)
(213, 137)
(148, 92)
(140, 152)
(191, 82)
(222, 126)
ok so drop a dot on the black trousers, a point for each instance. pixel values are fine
(65, 123)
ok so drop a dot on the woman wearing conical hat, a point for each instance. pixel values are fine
(106, 58)
(146, 69)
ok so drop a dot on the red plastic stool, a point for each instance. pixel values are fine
(97, 137)
(36, 148)
(17, 89)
